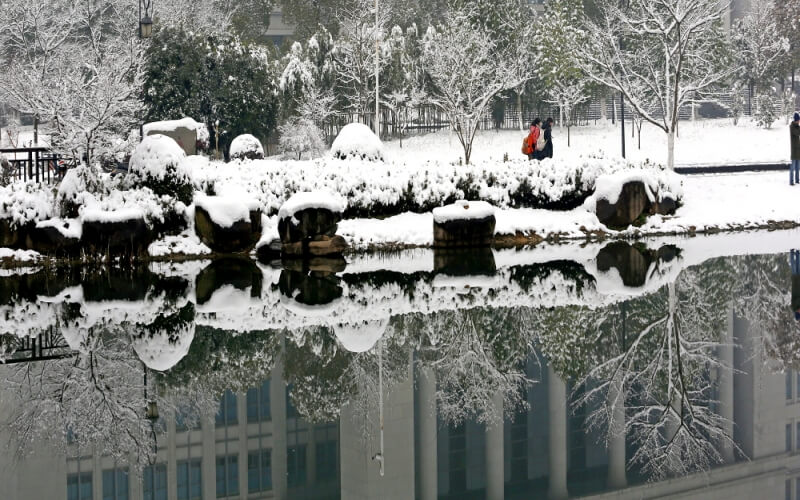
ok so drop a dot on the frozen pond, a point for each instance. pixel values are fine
(666, 368)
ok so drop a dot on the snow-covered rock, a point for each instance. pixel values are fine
(464, 224)
(115, 233)
(227, 224)
(186, 132)
(307, 225)
(621, 197)
(357, 141)
(55, 236)
(246, 147)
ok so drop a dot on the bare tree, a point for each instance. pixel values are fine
(675, 49)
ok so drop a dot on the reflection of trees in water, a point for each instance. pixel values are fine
(476, 354)
(659, 366)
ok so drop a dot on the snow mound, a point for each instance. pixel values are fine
(463, 210)
(312, 199)
(225, 211)
(110, 216)
(246, 146)
(164, 349)
(357, 141)
(659, 184)
(361, 336)
(155, 155)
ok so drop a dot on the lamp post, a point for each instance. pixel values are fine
(377, 75)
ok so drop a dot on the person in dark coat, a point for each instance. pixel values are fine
(794, 136)
(547, 152)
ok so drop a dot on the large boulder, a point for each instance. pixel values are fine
(464, 261)
(227, 224)
(464, 224)
(310, 288)
(626, 208)
(184, 132)
(115, 233)
(11, 234)
(307, 225)
(246, 147)
(630, 261)
(55, 237)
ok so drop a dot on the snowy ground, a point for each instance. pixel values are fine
(736, 201)
(702, 142)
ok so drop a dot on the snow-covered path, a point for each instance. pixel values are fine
(735, 201)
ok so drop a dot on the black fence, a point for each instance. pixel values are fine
(35, 163)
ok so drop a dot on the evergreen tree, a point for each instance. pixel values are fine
(217, 80)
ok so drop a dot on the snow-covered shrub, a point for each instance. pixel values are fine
(6, 173)
(77, 188)
(299, 136)
(357, 141)
(246, 147)
(766, 110)
(23, 203)
(375, 189)
(203, 137)
(158, 163)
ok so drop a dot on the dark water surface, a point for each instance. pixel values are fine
(662, 369)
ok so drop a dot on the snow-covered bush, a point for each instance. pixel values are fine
(357, 141)
(158, 163)
(23, 203)
(299, 136)
(6, 173)
(766, 110)
(375, 189)
(246, 147)
(77, 188)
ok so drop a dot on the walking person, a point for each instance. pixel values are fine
(529, 146)
(547, 152)
(794, 135)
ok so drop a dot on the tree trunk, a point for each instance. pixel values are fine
(519, 110)
(603, 109)
(569, 141)
(671, 149)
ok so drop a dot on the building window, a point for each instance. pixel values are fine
(79, 486)
(227, 410)
(788, 488)
(327, 452)
(227, 476)
(154, 482)
(519, 447)
(259, 471)
(258, 403)
(115, 484)
(296, 464)
(184, 421)
(190, 479)
(788, 437)
(789, 378)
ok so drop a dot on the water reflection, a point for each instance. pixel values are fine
(499, 375)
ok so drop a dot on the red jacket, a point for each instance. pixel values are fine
(533, 137)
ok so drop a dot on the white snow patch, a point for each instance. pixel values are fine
(173, 125)
(164, 349)
(69, 228)
(155, 154)
(99, 215)
(225, 211)
(20, 255)
(360, 336)
(186, 243)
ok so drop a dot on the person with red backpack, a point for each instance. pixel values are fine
(529, 143)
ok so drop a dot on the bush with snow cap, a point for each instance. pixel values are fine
(246, 147)
(77, 189)
(158, 163)
(357, 141)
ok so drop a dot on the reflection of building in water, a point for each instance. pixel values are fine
(257, 447)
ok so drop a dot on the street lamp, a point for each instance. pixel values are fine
(145, 21)
(377, 73)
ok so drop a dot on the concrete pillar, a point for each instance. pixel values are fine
(97, 474)
(557, 412)
(426, 383)
(616, 436)
(277, 396)
(135, 479)
(726, 389)
(209, 457)
(172, 465)
(495, 456)
(241, 410)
